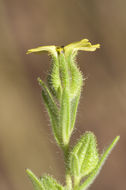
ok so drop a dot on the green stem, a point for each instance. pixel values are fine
(76, 182)
(68, 181)
(66, 159)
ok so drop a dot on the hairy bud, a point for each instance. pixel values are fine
(84, 156)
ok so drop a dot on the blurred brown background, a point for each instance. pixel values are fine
(26, 139)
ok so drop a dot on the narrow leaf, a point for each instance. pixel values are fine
(35, 181)
(52, 109)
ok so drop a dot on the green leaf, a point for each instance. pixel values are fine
(52, 110)
(50, 184)
(35, 181)
(97, 169)
(84, 156)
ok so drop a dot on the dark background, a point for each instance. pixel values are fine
(26, 139)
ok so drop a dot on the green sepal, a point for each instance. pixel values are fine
(64, 70)
(35, 181)
(84, 156)
(53, 79)
(49, 183)
(64, 126)
(73, 111)
(75, 77)
(52, 110)
(71, 81)
(75, 85)
(97, 169)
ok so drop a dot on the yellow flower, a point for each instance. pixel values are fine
(83, 45)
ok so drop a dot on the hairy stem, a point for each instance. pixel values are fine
(76, 182)
(66, 152)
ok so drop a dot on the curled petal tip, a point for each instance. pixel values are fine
(97, 46)
(28, 52)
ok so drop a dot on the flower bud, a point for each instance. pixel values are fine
(84, 156)
(64, 82)
(64, 72)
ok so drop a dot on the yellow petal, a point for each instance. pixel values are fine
(83, 45)
(50, 49)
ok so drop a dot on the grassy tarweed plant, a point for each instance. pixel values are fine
(61, 95)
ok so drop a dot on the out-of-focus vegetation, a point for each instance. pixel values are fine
(24, 127)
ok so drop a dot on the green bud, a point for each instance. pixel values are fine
(84, 156)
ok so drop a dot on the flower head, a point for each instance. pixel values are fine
(64, 83)
(83, 45)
